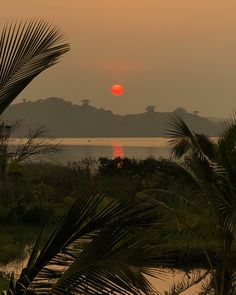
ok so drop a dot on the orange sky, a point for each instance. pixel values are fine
(168, 53)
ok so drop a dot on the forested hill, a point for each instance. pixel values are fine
(64, 119)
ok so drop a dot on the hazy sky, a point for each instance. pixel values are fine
(168, 53)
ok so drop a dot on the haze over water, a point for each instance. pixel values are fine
(138, 148)
(73, 149)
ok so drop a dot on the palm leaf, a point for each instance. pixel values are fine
(182, 138)
(81, 219)
(201, 156)
(213, 166)
(199, 152)
(26, 50)
(35, 250)
(185, 142)
(109, 263)
(226, 208)
(207, 288)
(227, 146)
(95, 246)
(208, 146)
(216, 186)
(188, 282)
(12, 282)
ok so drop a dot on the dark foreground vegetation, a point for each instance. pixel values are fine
(38, 194)
(34, 194)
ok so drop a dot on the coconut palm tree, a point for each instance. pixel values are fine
(100, 247)
(212, 165)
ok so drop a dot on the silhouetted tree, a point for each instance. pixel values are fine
(150, 108)
(180, 111)
(85, 101)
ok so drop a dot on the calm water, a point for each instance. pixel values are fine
(139, 148)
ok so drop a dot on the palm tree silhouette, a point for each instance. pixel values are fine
(212, 165)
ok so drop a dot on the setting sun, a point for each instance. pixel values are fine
(117, 89)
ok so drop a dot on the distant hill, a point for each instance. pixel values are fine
(216, 120)
(64, 119)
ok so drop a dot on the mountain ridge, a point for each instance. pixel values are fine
(65, 119)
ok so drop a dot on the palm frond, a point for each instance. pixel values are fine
(218, 191)
(185, 142)
(111, 263)
(82, 219)
(188, 281)
(206, 172)
(207, 145)
(213, 165)
(26, 49)
(182, 138)
(200, 154)
(168, 198)
(12, 283)
(227, 146)
(226, 208)
(207, 289)
(35, 250)
(98, 246)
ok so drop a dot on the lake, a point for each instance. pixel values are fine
(140, 148)
(73, 149)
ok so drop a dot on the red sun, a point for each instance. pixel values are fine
(117, 89)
